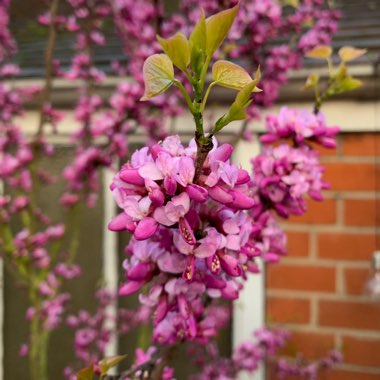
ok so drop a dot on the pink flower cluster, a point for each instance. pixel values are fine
(157, 188)
(7, 43)
(191, 236)
(304, 369)
(300, 126)
(248, 355)
(284, 174)
(93, 332)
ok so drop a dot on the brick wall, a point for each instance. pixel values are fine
(317, 290)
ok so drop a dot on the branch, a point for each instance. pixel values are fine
(45, 96)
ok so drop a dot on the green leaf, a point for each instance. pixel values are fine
(348, 53)
(197, 42)
(86, 373)
(345, 85)
(158, 75)
(177, 48)
(109, 362)
(291, 3)
(320, 52)
(217, 28)
(235, 112)
(230, 75)
(312, 81)
(237, 109)
(244, 95)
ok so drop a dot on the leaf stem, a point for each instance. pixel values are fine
(185, 95)
(204, 72)
(212, 84)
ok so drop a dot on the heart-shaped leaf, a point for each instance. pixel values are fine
(348, 53)
(217, 28)
(110, 362)
(158, 75)
(320, 52)
(230, 75)
(177, 49)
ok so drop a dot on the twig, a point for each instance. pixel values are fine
(45, 96)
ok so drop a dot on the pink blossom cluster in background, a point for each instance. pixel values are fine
(93, 331)
(247, 357)
(7, 43)
(285, 173)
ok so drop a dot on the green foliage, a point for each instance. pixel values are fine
(348, 53)
(238, 107)
(112, 361)
(158, 74)
(320, 52)
(86, 373)
(312, 81)
(217, 28)
(228, 74)
(339, 81)
(198, 41)
(193, 57)
(177, 49)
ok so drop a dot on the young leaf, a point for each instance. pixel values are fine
(320, 52)
(312, 81)
(345, 85)
(109, 362)
(244, 95)
(230, 75)
(217, 28)
(197, 42)
(235, 112)
(348, 53)
(177, 49)
(86, 373)
(158, 75)
(237, 109)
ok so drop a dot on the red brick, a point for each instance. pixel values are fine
(301, 277)
(346, 246)
(355, 279)
(341, 374)
(363, 144)
(356, 315)
(288, 310)
(352, 176)
(361, 351)
(361, 212)
(298, 243)
(330, 374)
(311, 345)
(317, 213)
